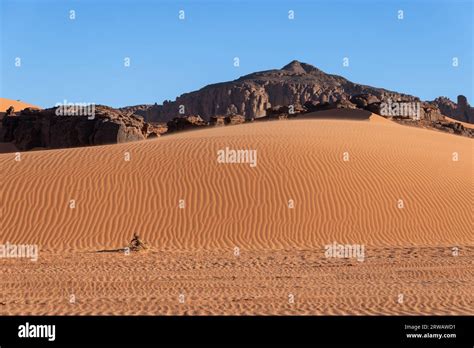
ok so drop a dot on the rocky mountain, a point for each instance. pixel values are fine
(296, 89)
(295, 84)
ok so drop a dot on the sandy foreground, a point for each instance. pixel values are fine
(229, 238)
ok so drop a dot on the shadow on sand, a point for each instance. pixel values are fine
(338, 114)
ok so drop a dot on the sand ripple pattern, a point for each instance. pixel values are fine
(229, 205)
(431, 280)
(409, 250)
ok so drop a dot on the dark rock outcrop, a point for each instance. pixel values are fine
(186, 123)
(10, 111)
(227, 120)
(454, 128)
(464, 111)
(363, 101)
(43, 128)
(430, 112)
(461, 111)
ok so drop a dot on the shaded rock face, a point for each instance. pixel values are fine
(186, 123)
(362, 101)
(430, 112)
(464, 111)
(461, 111)
(297, 84)
(301, 86)
(43, 128)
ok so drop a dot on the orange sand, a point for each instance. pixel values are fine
(18, 105)
(408, 251)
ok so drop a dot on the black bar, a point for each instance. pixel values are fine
(289, 331)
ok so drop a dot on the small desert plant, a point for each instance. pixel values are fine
(137, 244)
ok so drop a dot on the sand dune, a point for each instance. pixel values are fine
(18, 105)
(236, 205)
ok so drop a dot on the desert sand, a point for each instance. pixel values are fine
(192, 265)
(18, 105)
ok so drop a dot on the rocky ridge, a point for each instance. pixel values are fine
(33, 128)
(296, 84)
(294, 90)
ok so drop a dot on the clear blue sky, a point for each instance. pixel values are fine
(82, 60)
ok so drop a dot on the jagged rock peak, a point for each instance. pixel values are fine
(300, 68)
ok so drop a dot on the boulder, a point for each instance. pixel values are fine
(217, 121)
(185, 123)
(363, 100)
(234, 119)
(343, 104)
(431, 113)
